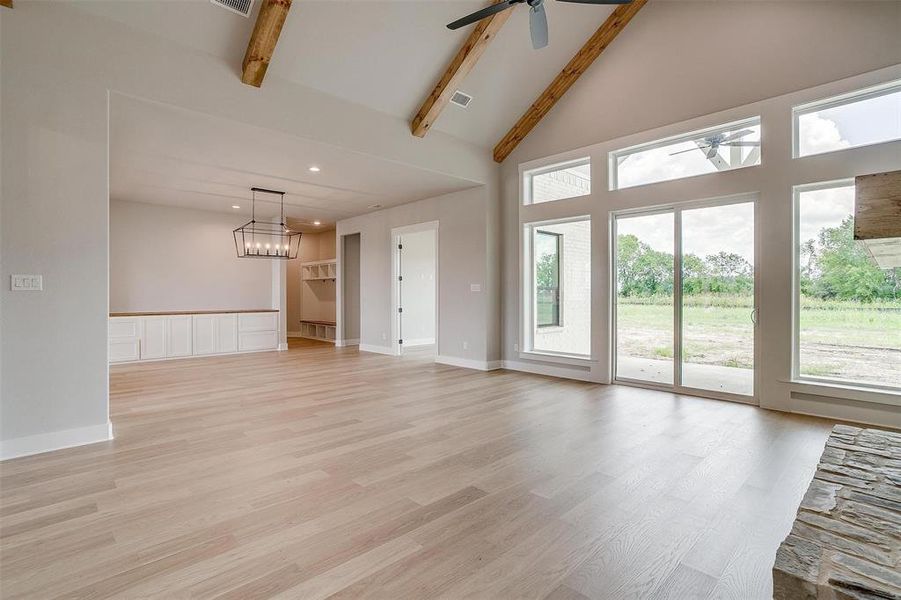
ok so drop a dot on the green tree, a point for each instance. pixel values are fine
(842, 269)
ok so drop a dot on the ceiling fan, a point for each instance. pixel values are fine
(537, 16)
(711, 145)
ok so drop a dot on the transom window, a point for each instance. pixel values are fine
(557, 182)
(723, 148)
(861, 118)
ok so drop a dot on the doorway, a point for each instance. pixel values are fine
(415, 277)
(350, 290)
(685, 309)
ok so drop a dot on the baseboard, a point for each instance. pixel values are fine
(543, 369)
(468, 363)
(419, 342)
(342, 343)
(56, 440)
(376, 349)
(295, 334)
(282, 347)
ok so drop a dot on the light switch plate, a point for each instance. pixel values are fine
(26, 283)
(475, 287)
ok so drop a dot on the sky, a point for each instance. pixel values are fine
(730, 228)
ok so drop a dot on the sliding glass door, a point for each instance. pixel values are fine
(685, 308)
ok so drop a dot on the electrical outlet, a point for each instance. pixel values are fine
(475, 287)
(466, 345)
(26, 283)
(516, 347)
(384, 336)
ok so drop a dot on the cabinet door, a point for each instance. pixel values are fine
(205, 334)
(153, 337)
(227, 332)
(179, 330)
(124, 339)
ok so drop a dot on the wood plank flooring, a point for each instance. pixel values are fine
(328, 473)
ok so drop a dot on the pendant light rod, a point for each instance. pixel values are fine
(268, 191)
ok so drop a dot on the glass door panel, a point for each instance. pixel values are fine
(717, 298)
(645, 344)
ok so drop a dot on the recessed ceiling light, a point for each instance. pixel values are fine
(314, 169)
(235, 206)
(316, 223)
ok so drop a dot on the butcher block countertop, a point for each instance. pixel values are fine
(190, 312)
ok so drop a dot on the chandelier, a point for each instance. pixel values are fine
(262, 239)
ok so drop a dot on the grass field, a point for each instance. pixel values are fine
(838, 339)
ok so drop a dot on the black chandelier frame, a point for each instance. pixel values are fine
(266, 239)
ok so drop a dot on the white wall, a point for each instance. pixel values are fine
(58, 65)
(350, 286)
(418, 288)
(165, 258)
(771, 182)
(466, 251)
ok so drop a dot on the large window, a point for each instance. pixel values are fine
(559, 287)
(723, 148)
(547, 278)
(866, 117)
(848, 325)
(568, 180)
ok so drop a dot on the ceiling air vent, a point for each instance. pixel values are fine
(242, 7)
(461, 99)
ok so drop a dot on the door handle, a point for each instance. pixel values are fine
(754, 316)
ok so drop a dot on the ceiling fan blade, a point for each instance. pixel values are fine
(711, 152)
(740, 143)
(736, 135)
(483, 13)
(597, 1)
(538, 26)
(682, 151)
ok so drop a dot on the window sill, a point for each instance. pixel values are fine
(559, 358)
(847, 391)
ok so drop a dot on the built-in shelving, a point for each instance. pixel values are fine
(319, 278)
(318, 330)
(320, 270)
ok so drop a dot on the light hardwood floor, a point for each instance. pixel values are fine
(320, 473)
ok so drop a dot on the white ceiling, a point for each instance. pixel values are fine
(161, 154)
(386, 55)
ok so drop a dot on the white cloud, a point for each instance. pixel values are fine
(816, 135)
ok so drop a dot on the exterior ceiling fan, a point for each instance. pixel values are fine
(711, 145)
(537, 16)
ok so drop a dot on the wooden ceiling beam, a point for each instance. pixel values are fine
(596, 44)
(465, 59)
(262, 43)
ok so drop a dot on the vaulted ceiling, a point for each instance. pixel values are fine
(676, 60)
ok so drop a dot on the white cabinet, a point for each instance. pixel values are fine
(257, 331)
(124, 339)
(215, 334)
(205, 335)
(179, 335)
(153, 337)
(227, 330)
